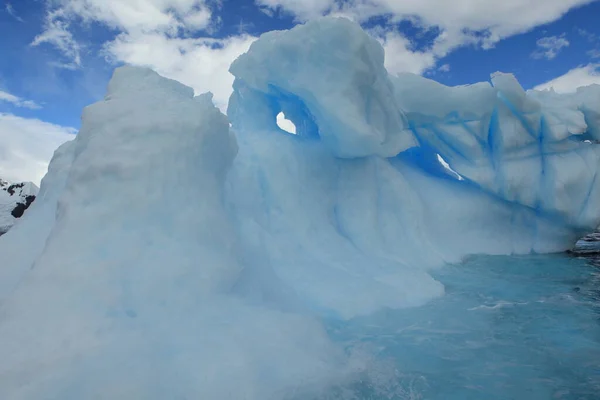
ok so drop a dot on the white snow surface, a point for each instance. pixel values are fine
(171, 256)
(12, 194)
(24, 242)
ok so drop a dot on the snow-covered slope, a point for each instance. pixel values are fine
(21, 246)
(169, 255)
(15, 198)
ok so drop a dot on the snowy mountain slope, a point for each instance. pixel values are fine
(15, 198)
(24, 242)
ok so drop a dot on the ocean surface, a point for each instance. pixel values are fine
(507, 328)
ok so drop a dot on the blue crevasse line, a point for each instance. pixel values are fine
(542, 188)
(441, 137)
(555, 218)
(423, 156)
(517, 114)
(451, 119)
(472, 133)
(493, 146)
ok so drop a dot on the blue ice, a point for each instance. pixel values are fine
(175, 252)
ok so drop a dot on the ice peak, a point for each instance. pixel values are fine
(329, 79)
(129, 81)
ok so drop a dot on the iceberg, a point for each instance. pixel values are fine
(175, 252)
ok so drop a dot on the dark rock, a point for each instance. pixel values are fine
(20, 208)
(11, 189)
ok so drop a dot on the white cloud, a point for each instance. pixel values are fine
(549, 47)
(461, 21)
(56, 33)
(153, 33)
(590, 36)
(200, 63)
(139, 15)
(27, 145)
(17, 101)
(168, 17)
(577, 77)
(400, 58)
(444, 68)
(595, 53)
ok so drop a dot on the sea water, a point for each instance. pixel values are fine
(507, 328)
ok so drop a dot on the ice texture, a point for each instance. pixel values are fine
(329, 76)
(527, 148)
(173, 255)
(133, 294)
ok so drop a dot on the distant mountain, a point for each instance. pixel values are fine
(15, 198)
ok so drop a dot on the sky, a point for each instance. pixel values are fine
(56, 56)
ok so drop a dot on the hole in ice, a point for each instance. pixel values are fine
(285, 124)
(449, 169)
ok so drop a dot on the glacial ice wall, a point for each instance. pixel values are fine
(361, 188)
(131, 293)
(525, 148)
(528, 148)
(176, 257)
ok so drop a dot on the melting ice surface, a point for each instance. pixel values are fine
(171, 256)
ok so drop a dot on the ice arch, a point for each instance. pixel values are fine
(330, 77)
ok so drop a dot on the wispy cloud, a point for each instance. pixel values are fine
(577, 77)
(57, 33)
(243, 27)
(11, 11)
(171, 36)
(444, 68)
(549, 47)
(590, 36)
(17, 101)
(595, 53)
(479, 22)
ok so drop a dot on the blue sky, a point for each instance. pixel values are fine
(57, 55)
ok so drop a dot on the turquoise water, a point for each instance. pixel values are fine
(507, 328)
